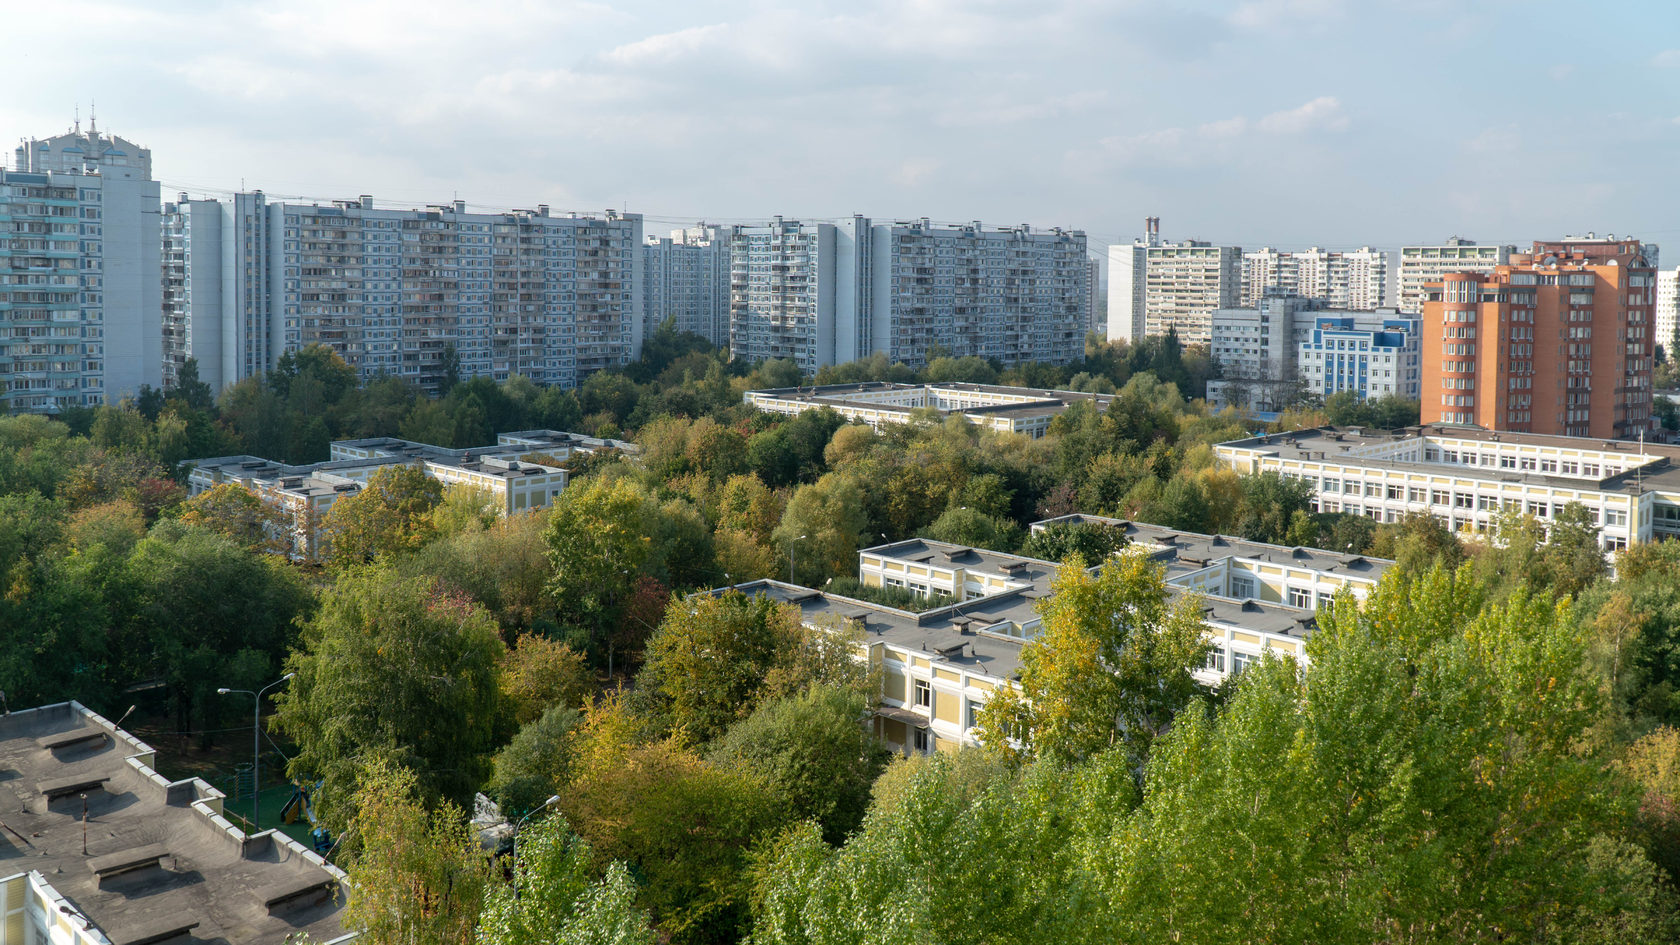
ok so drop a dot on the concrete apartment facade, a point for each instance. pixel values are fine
(1666, 319)
(1361, 280)
(827, 293)
(1559, 341)
(1184, 283)
(81, 300)
(1421, 266)
(940, 667)
(686, 279)
(398, 292)
(1466, 477)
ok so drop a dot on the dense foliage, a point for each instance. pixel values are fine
(1486, 751)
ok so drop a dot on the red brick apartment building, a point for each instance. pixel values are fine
(1559, 342)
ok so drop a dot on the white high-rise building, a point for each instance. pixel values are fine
(80, 294)
(1184, 283)
(1665, 319)
(406, 293)
(1421, 265)
(827, 293)
(1354, 281)
(687, 280)
(1127, 265)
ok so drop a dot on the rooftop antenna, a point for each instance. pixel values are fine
(78, 125)
(93, 117)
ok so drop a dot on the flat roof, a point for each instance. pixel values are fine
(1660, 470)
(1184, 552)
(168, 858)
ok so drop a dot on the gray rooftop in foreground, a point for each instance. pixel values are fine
(207, 872)
(955, 634)
(1184, 551)
(1661, 470)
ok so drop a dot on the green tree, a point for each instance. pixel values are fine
(1110, 667)
(417, 877)
(393, 668)
(536, 763)
(391, 515)
(214, 615)
(684, 827)
(555, 897)
(823, 526)
(705, 666)
(539, 674)
(598, 544)
(236, 513)
(813, 748)
(1059, 541)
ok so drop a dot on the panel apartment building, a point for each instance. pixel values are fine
(398, 292)
(1156, 287)
(80, 297)
(687, 281)
(1559, 341)
(1359, 281)
(826, 293)
(1421, 266)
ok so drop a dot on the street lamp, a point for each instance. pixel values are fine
(256, 744)
(551, 802)
(791, 578)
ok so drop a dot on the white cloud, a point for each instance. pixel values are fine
(1223, 139)
(1324, 112)
(1667, 59)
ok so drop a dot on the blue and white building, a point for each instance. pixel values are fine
(1371, 354)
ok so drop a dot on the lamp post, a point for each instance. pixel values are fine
(256, 744)
(791, 578)
(552, 801)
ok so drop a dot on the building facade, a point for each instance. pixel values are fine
(81, 300)
(1184, 283)
(686, 280)
(827, 293)
(1559, 341)
(1288, 347)
(1666, 319)
(1127, 265)
(1353, 281)
(1371, 354)
(938, 668)
(1467, 478)
(1421, 266)
(403, 292)
(520, 473)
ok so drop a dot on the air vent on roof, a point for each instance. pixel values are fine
(952, 650)
(1300, 552)
(1251, 606)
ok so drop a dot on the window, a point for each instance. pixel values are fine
(1216, 659)
(1300, 597)
(972, 715)
(1242, 588)
(919, 739)
(924, 694)
(1240, 661)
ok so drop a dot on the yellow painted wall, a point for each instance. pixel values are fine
(947, 707)
(893, 686)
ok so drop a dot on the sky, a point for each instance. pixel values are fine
(1283, 123)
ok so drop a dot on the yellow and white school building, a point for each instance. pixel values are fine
(1466, 476)
(519, 473)
(940, 666)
